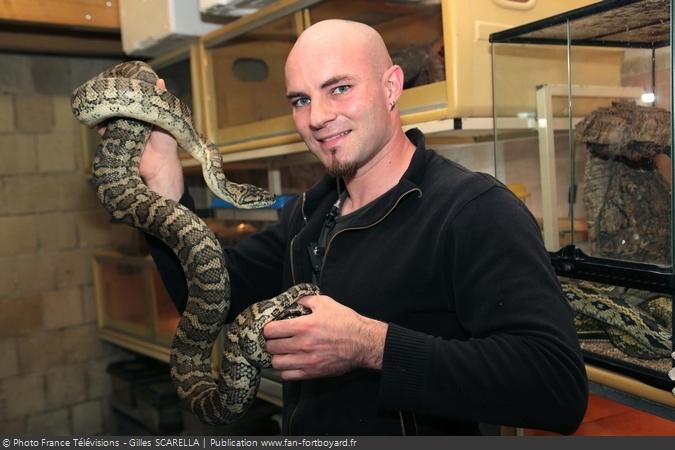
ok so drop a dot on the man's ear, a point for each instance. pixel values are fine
(393, 80)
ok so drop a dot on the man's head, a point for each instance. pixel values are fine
(343, 91)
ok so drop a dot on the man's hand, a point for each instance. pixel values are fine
(160, 165)
(330, 341)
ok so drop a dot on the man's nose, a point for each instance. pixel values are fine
(321, 112)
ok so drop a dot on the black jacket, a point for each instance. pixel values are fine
(479, 331)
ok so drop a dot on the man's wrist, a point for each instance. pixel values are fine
(373, 336)
(168, 189)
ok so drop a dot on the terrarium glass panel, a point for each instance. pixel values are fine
(531, 129)
(124, 297)
(596, 135)
(599, 114)
(621, 142)
(473, 152)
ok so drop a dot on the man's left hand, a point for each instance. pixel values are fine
(330, 341)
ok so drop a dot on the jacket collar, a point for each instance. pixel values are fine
(411, 180)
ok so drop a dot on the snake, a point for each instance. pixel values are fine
(630, 329)
(127, 99)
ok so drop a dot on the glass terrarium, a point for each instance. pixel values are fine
(588, 136)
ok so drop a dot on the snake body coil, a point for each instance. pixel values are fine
(629, 328)
(127, 98)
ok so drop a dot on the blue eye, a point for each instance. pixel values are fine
(341, 89)
(300, 102)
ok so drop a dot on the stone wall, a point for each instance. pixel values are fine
(53, 376)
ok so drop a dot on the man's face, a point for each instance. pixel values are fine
(339, 103)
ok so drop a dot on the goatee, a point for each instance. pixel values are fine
(341, 170)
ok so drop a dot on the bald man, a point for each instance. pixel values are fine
(440, 309)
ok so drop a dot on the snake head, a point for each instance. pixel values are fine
(252, 197)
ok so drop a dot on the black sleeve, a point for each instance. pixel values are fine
(522, 365)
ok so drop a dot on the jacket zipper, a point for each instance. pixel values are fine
(304, 217)
(325, 256)
(292, 262)
(400, 419)
(295, 409)
(302, 207)
(404, 430)
(290, 421)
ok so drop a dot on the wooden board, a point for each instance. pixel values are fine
(92, 14)
(52, 43)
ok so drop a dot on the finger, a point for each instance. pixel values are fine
(281, 346)
(293, 375)
(161, 84)
(285, 328)
(161, 133)
(277, 329)
(286, 362)
(310, 301)
(100, 129)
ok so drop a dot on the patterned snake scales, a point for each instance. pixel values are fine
(630, 329)
(127, 94)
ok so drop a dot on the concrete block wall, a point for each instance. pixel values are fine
(52, 364)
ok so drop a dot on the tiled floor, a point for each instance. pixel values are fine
(608, 418)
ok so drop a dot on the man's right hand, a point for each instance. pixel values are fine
(160, 165)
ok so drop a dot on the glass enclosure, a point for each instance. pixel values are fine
(122, 294)
(134, 309)
(583, 120)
